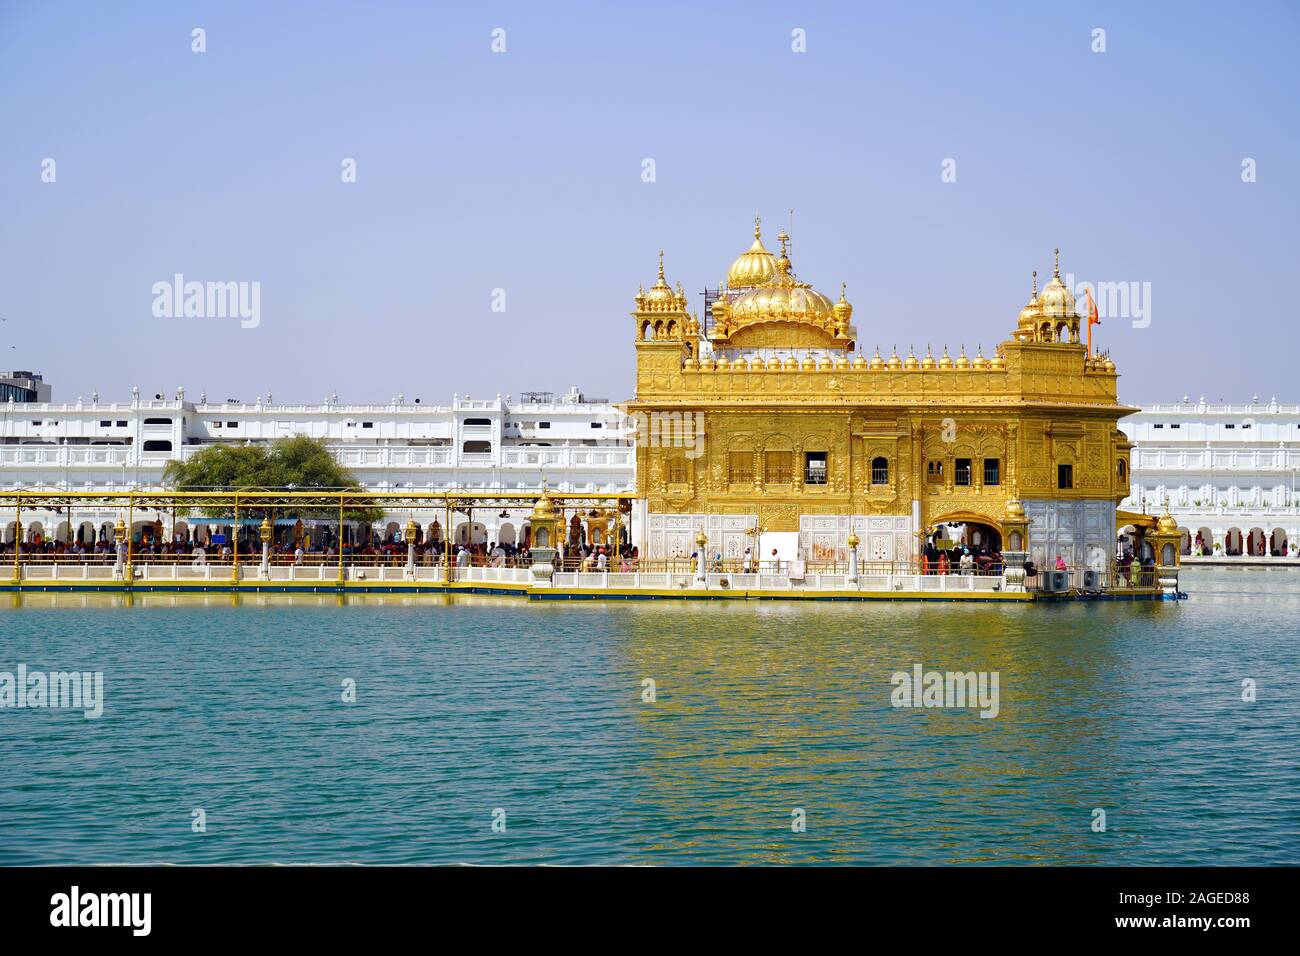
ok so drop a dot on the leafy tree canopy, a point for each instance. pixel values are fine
(299, 463)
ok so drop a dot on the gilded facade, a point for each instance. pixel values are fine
(771, 424)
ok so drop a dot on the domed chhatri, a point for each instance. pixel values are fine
(754, 266)
(1050, 315)
(1056, 300)
(1032, 310)
(661, 297)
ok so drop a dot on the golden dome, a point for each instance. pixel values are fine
(1056, 301)
(1167, 524)
(945, 360)
(1030, 313)
(962, 360)
(895, 361)
(927, 362)
(782, 297)
(1015, 510)
(543, 509)
(661, 297)
(754, 266)
(911, 360)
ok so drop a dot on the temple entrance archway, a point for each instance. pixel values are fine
(974, 531)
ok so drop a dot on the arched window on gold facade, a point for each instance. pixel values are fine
(677, 470)
(880, 470)
(740, 467)
(778, 467)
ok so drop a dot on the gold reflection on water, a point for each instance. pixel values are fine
(747, 716)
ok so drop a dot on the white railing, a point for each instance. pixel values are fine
(251, 573)
(1197, 408)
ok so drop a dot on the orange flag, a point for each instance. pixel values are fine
(1093, 318)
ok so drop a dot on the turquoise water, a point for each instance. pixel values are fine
(468, 705)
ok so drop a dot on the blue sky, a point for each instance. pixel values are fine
(523, 171)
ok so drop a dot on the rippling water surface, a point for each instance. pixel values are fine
(467, 705)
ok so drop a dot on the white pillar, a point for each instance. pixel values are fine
(265, 570)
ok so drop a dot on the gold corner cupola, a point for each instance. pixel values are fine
(661, 297)
(661, 314)
(1049, 316)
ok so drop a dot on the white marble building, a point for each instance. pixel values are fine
(1227, 471)
(496, 444)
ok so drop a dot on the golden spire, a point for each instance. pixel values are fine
(783, 263)
(1057, 269)
(758, 231)
(661, 265)
(1034, 292)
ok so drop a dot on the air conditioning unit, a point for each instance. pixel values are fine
(1055, 582)
(1092, 580)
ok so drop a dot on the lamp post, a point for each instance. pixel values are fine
(410, 531)
(701, 572)
(853, 542)
(265, 533)
(755, 558)
(119, 539)
(18, 535)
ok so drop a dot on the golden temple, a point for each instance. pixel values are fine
(766, 422)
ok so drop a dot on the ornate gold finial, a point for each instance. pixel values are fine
(843, 288)
(661, 265)
(783, 263)
(758, 222)
(1056, 270)
(1034, 293)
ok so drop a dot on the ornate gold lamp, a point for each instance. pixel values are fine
(1165, 541)
(547, 527)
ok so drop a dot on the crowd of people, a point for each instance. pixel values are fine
(960, 559)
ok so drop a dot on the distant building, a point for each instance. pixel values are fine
(23, 387)
(505, 444)
(1227, 471)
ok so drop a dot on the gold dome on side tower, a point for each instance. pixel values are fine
(1056, 301)
(661, 297)
(1030, 313)
(754, 266)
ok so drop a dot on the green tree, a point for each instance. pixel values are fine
(290, 464)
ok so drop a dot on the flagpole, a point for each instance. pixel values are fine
(1093, 318)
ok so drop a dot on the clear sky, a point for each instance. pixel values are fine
(523, 171)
